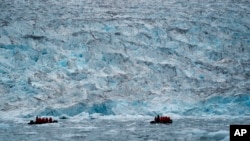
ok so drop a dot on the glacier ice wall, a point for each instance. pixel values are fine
(125, 57)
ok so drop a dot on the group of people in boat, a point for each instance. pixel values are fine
(162, 119)
(41, 120)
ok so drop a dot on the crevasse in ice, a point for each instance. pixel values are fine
(125, 57)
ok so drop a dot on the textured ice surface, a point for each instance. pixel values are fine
(114, 57)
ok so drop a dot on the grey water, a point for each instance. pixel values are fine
(183, 129)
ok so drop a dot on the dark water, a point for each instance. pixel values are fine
(185, 129)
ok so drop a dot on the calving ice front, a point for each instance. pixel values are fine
(122, 58)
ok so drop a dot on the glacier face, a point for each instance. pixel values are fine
(124, 57)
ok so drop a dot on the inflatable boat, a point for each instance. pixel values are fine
(43, 120)
(162, 120)
(34, 122)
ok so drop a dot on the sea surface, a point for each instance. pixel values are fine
(182, 129)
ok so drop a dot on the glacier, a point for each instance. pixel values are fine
(115, 57)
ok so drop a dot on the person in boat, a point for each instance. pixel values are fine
(158, 118)
(31, 122)
(50, 120)
(46, 120)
